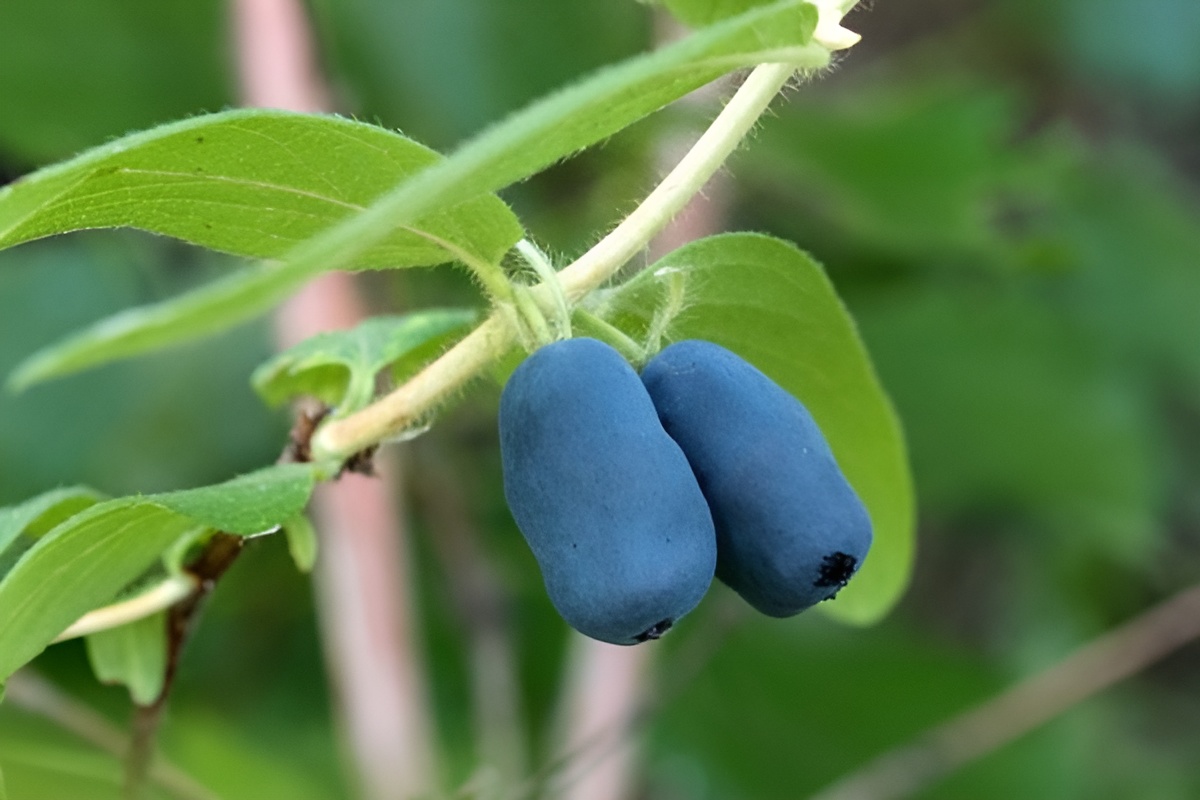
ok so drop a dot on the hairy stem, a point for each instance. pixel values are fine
(594, 326)
(541, 265)
(214, 560)
(410, 403)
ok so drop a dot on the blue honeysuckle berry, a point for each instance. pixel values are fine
(604, 497)
(790, 529)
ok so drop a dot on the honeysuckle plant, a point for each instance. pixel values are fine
(301, 194)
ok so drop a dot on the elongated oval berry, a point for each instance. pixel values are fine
(790, 529)
(605, 499)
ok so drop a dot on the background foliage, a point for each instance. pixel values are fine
(1004, 193)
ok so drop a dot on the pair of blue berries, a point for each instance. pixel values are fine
(632, 492)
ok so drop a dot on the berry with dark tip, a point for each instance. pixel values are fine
(604, 497)
(791, 531)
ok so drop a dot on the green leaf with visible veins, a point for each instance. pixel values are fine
(77, 567)
(181, 186)
(22, 524)
(255, 183)
(571, 119)
(247, 504)
(339, 367)
(133, 655)
(698, 13)
(770, 303)
(88, 558)
(38, 515)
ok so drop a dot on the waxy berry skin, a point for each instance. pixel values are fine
(605, 499)
(790, 529)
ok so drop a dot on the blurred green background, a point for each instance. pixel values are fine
(1006, 194)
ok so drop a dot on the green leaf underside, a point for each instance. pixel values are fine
(38, 515)
(698, 13)
(773, 305)
(339, 367)
(705, 12)
(249, 503)
(133, 655)
(86, 560)
(301, 542)
(254, 183)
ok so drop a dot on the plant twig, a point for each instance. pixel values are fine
(610, 334)
(416, 399)
(940, 751)
(30, 692)
(214, 560)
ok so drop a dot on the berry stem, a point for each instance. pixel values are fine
(540, 264)
(410, 403)
(592, 325)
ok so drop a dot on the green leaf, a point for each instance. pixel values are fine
(150, 172)
(254, 183)
(208, 310)
(77, 567)
(133, 655)
(339, 368)
(86, 560)
(773, 305)
(698, 13)
(301, 541)
(38, 515)
(570, 120)
(22, 525)
(247, 504)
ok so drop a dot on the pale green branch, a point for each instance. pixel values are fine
(411, 403)
(160, 597)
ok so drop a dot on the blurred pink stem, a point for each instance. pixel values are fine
(603, 697)
(362, 577)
